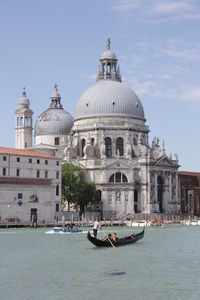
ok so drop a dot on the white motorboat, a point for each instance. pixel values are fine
(192, 222)
(142, 223)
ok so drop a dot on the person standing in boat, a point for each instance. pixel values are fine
(96, 227)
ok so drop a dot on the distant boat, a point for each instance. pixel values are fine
(192, 222)
(127, 240)
(66, 229)
(143, 223)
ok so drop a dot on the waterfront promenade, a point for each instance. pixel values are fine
(152, 219)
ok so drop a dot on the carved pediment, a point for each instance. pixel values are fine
(164, 161)
(117, 165)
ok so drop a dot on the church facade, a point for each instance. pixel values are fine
(109, 139)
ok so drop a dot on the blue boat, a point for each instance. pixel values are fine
(66, 229)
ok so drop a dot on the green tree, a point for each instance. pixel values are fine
(88, 195)
(75, 188)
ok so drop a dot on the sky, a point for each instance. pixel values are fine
(157, 43)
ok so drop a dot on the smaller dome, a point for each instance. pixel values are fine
(53, 121)
(108, 54)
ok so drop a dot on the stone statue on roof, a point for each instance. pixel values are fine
(108, 43)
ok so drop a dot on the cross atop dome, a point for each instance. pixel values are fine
(24, 92)
(108, 68)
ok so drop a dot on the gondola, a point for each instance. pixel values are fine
(127, 240)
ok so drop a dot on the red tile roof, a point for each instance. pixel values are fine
(24, 152)
(195, 188)
(185, 173)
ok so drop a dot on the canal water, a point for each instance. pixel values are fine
(163, 265)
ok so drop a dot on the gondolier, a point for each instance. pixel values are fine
(96, 226)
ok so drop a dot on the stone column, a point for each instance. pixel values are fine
(123, 201)
(131, 201)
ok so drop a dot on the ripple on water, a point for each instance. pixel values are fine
(115, 273)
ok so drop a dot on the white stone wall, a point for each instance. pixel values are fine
(49, 140)
(137, 163)
(23, 138)
(15, 196)
(9, 207)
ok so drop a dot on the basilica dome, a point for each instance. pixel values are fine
(54, 120)
(109, 96)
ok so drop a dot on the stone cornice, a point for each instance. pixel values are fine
(114, 128)
(24, 181)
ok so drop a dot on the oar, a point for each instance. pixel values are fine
(108, 239)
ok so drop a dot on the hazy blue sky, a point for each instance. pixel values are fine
(157, 43)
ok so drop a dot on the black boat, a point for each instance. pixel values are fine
(127, 240)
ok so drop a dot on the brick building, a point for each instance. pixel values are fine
(189, 192)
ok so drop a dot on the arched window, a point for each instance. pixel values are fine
(18, 122)
(26, 121)
(92, 141)
(108, 147)
(111, 179)
(118, 177)
(120, 146)
(82, 147)
(21, 121)
(124, 178)
(33, 198)
(108, 69)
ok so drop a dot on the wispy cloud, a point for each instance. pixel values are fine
(145, 10)
(164, 7)
(188, 93)
(141, 88)
(179, 50)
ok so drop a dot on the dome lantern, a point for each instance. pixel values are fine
(55, 98)
(108, 68)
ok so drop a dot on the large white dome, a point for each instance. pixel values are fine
(109, 98)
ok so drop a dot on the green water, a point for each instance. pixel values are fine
(164, 265)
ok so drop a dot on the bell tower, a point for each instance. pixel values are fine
(23, 123)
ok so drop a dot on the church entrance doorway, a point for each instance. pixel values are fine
(136, 201)
(33, 217)
(160, 193)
